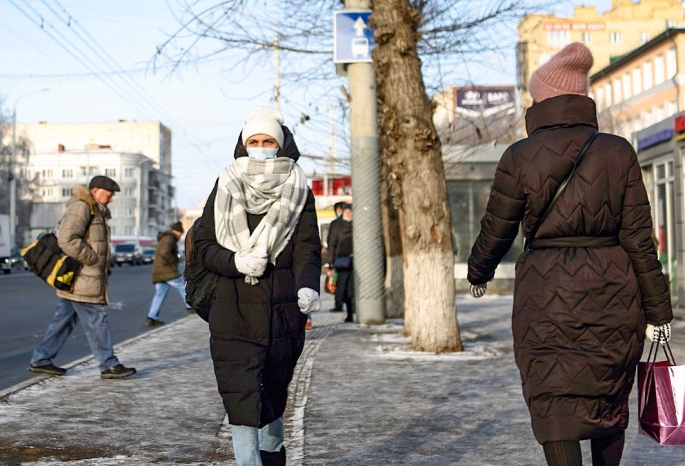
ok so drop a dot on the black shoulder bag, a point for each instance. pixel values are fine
(562, 187)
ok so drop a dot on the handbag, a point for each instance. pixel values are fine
(47, 260)
(661, 398)
(331, 284)
(342, 263)
(560, 190)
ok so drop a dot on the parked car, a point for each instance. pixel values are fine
(128, 253)
(148, 256)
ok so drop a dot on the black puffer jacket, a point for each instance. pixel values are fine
(257, 331)
(579, 312)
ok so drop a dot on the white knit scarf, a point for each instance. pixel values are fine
(276, 187)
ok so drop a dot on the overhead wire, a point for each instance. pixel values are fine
(150, 108)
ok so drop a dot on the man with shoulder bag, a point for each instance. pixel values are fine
(84, 235)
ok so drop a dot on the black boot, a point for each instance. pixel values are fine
(276, 458)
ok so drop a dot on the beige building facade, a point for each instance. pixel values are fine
(643, 87)
(626, 27)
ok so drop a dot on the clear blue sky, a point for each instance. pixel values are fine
(204, 109)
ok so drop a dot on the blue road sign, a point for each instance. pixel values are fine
(352, 36)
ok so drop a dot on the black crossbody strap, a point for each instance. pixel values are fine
(559, 192)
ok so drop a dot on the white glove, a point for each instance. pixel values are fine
(659, 333)
(308, 300)
(478, 290)
(251, 263)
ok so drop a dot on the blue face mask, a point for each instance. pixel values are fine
(261, 153)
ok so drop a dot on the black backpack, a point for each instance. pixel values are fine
(200, 282)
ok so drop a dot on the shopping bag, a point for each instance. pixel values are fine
(331, 281)
(661, 398)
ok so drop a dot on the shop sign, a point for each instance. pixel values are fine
(654, 139)
(680, 124)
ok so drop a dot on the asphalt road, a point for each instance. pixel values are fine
(27, 305)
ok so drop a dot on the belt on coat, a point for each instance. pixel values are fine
(575, 242)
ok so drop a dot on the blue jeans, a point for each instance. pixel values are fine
(247, 441)
(95, 325)
(161, 290)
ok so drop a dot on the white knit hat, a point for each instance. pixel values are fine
(264, 120)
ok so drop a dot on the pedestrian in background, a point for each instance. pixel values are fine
(342, 261)
(259, 233)
(339, 229)
(591, 287)
(165, 273)
(84, 235)
(333, 237)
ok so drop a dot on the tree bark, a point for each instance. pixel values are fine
(417, 179)
(394, 265)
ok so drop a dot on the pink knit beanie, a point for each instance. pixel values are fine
(565, 73)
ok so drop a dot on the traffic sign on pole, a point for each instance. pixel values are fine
(352, 37)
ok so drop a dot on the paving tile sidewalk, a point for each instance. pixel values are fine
(359, 397)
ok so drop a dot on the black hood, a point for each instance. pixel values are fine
(289, 148)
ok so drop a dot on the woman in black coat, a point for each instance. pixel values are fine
(259, 233)
(591, 286)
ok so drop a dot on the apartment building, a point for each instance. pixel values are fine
(626, 27)
(149, 138)
(642, 87)
(144, 206)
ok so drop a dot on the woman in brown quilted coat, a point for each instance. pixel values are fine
(591, 282)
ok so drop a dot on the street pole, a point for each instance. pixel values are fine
(13, 181)
(367, 236)
(12, 174)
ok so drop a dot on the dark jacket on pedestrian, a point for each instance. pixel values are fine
(580, 307)
(84, 235)
(257, 331)
(337, 232)
(165, 265)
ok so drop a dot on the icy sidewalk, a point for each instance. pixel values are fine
(359, 397)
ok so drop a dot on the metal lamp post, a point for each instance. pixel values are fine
(12, 175)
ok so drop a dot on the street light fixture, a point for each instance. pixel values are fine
(12, 175)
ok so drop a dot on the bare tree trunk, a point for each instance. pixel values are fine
(394, 265)
(417, 178)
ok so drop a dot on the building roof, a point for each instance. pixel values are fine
(626, 58)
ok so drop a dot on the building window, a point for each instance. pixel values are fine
(607, 94)
(615, 38)
(111, 172)
(599, 98)
(586, 38)
(128, 231)
(129, 172)
(637, 81)
(659, 70)
(66, 192)
(671, 63)
(112, 230)
(617, 92)
(644, 37)
(47, 174)
(67, 173)
(647, 75)
(129, 212)
(626, 86)
(84, 171)
(558, 39)
(47, 192)
(128, 192)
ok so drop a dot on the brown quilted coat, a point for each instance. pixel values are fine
(579, 312)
